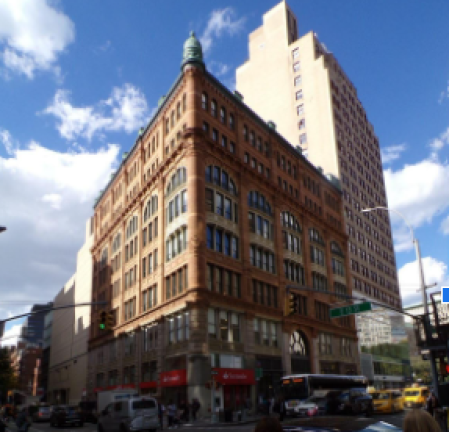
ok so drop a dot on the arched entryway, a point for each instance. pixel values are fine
(299, 353)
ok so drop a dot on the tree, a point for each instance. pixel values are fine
(8, 380)
(421, 369)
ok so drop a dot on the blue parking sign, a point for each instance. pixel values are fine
(444, 294)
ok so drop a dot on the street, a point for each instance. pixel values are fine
(343, 423)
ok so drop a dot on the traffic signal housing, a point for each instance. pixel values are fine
(110, 321)
(291, 304)
(103, 319)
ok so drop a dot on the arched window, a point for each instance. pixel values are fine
(298, 344)
(223, 115)
(213, 107)
(116, 243)
(204, 101)
(221, 178)
(231, 121)
(258, 201)
(178, 178)
(315, 236)
(336, 249)
(104, 258)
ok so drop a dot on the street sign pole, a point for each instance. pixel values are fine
(214, 414)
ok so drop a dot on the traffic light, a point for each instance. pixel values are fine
(444, 367)
(291, 304)
(103, 317)
(110, 321)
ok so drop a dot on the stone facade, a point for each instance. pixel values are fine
(231, 228)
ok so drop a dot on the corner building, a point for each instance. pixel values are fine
(296, 82)
(197, 235)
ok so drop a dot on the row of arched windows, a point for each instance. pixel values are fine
(224, 118)
(177, 179)
(150, 208)
(221, 178)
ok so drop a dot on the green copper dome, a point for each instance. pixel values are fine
(193, 52)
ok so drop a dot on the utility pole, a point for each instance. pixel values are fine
(426, 320)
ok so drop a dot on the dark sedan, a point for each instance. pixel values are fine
(65, 416)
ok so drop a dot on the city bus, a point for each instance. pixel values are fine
(295, 389)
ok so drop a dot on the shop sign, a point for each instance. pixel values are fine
(173, 378)
(235, 376)
(148, 384)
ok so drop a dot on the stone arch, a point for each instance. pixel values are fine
(299, 348)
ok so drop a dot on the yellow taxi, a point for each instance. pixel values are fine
(387, 401)
(415, 397)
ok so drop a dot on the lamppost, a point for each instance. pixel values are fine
(423, 291)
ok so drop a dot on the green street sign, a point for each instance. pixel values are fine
(350, 310)
(259, 373)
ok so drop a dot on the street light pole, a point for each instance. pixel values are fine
(423, 292)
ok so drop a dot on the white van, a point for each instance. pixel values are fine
(130, 415)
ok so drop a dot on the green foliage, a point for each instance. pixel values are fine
(421, 368)
(397, 351)
(8, 380)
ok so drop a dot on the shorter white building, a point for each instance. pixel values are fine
(70, 331)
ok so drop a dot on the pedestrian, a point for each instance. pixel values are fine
(281, 408)
(271, 406)
(195, 408)
(172, 414)
(268, 424)
(418, 420)
(184, 407)
(22, 421)
(432, 404)
(160, 413)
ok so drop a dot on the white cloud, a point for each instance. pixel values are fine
(11, 336)
(221, 21)
(389, 154)
(46, 198)
(7, 141)
(438, 143)
(444, 94)
(434, 272)
(419, 192)
(218, 69)
(126, 109)
(32, 35)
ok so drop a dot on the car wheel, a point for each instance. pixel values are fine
(100, 428)
(80, 424)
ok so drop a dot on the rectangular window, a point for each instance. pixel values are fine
(219, 204)
(257, 331)
(235, 329)
(209, 277)
(298, 95)
(224, 326)
(211, 325)
(298, 80)
(300, 109)
(296, 66)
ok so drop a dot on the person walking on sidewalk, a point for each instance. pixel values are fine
(172, 414)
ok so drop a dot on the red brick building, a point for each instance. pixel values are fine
(207, 220)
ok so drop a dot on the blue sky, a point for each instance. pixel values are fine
(78, 78)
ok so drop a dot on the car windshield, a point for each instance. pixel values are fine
(144, 404)
(380, 396)
(44, 409)
(412, 393)
(70, 410)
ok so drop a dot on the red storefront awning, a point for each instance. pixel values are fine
(173, 378)
(235, 376)
(148, 384)
(121, 386)
(97, 389)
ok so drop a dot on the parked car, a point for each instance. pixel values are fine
(42, 414)
(65, 415)
(88, 411)
(130, 415)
